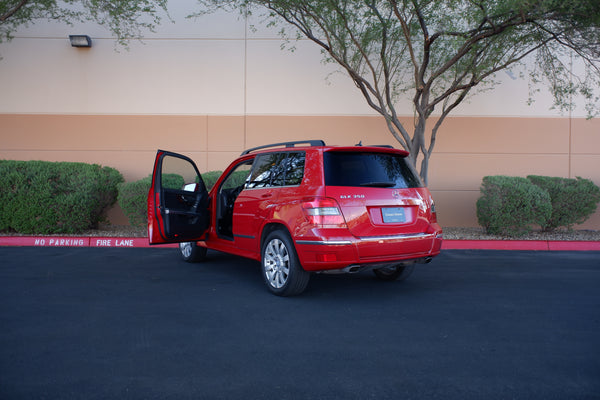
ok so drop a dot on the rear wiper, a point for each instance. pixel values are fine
(379, 184)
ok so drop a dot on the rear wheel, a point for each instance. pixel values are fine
(394, 273)
(281, 269)
(191, 252)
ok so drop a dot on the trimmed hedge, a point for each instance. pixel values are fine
(510, 206)
(132, 199)
(210, 178)
(133, 196)
(40, 197)
(573, 200)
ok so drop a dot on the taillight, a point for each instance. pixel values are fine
(433, 214)
(323, 212)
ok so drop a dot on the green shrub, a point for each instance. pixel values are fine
(210, 178)
(237, 178)
(40, 197)
(573, 200)
(133, 196)
(511, 205)
(132, 199)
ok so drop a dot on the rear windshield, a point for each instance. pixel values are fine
(369, 170)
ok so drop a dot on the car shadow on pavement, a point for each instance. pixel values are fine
(224, 268)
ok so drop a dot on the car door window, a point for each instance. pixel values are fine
(238, 177)
(177, 172)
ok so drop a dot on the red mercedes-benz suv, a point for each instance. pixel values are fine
(299, 208)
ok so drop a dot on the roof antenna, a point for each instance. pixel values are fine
(359, 143)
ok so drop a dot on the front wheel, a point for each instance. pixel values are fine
(281, 269)
(395, 273)
(191, 252)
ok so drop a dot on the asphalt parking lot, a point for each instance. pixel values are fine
(88, 323)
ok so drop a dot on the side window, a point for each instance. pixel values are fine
(238, 176)
(177, 172)
(277, 169)
(264, 168)
(294, 168)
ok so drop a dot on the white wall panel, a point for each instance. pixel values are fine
(161, 76)
(297, 83)
(202, 66)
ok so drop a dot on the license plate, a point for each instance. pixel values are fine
(393, 215)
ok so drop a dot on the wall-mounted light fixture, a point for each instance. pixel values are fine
(80, 40)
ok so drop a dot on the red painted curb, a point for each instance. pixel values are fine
(538, 245)
(574, 246)
(495, 245)
(448, 244)
(71, 241)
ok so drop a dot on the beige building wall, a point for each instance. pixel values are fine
(468, 147)
(213, 86)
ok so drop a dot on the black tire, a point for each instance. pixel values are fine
(280, 267)
(191, 252)
(396, 273)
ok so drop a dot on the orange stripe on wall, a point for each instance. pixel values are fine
(467, 148)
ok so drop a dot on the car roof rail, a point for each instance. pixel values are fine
(286, 144)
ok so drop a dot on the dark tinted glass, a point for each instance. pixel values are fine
(277, 169)
(369, 170)
(263, 169)
(293, 166)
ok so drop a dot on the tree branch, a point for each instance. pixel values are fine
(12, 12)
(408, 38)
(455, 87)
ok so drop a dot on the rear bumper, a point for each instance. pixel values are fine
(340, 253)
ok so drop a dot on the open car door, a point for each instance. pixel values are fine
(177, 201)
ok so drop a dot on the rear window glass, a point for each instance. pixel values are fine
(369, 170)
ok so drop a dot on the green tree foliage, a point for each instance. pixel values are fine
(438, 51)
(126, 19)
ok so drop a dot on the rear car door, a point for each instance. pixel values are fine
(254, 204)
(177, 201)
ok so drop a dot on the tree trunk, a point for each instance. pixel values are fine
(418, 148)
